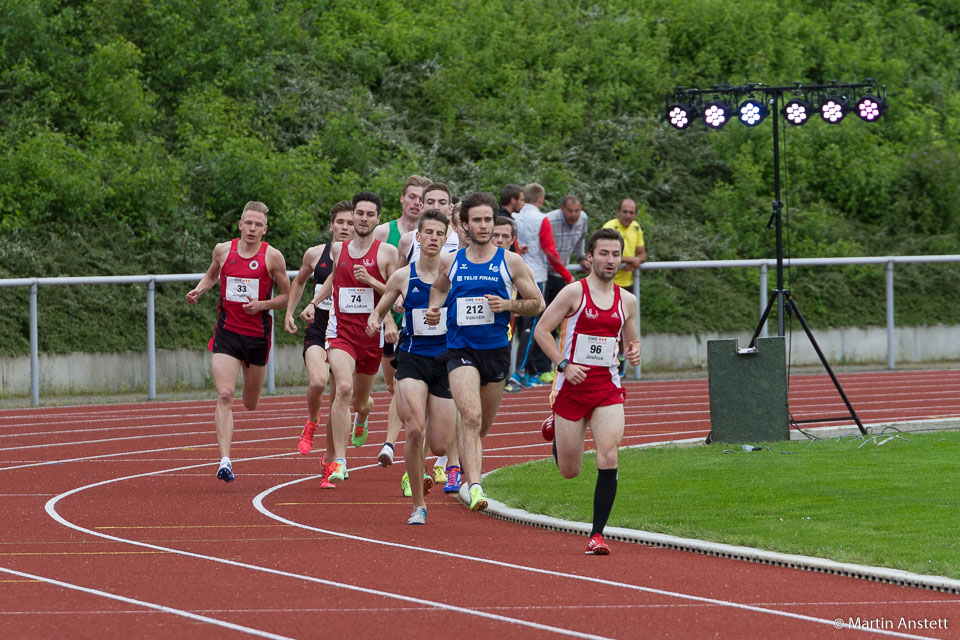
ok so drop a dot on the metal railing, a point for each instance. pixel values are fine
(151, 281)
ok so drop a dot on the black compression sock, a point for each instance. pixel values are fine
(603, 497)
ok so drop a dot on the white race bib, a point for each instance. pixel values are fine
(242, 289)
(421, 328)
(326, 303)
(356, 300)
(472, 311)
(595, 351)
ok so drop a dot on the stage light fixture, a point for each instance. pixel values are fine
(751, 112)
(680, 116)
(870, 107)
(797, 111)
(833, 109)
(716, 114)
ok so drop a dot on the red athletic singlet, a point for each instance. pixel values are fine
(589, 337)
(242, 280)
(353, 300)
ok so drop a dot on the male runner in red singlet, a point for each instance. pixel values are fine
(247, 269)
(595, 314)
(360, 271)
(318, 264)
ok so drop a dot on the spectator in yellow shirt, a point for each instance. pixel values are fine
(634, 252)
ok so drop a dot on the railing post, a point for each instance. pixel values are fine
(271, 361)
(34, 349)
(891, 364)
(151, 340)
(763, 297)
(637, 370)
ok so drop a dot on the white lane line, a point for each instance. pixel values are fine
(148, 605)
(52, 512)
(258, 505)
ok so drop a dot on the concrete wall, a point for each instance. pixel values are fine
(182, 369)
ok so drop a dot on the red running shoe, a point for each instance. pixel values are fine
(546, 428)
(306, 438)
(597, 547)
(328, 468)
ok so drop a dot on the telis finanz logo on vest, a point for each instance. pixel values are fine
(253, 265)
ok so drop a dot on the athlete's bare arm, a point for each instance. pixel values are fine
(395, 286)
(310, 258)
(403, 247)
(631, 339)
(562, 306)
(439, 290)
(382, 232)
(530, 302)
(277, 268)
(326, 290)
(212, 275)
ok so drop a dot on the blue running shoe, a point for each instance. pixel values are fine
(225, 473)
(453, 480)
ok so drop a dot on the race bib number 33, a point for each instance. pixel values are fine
(595, 351)
(356, 300)
(472, 311)
(242, 289)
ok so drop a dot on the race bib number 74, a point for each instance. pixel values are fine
(356, 300)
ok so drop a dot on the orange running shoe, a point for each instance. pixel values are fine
(306, 438)
(328, 468)
(597, 547)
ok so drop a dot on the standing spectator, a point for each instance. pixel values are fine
(634, 251)
(511, 200)
(535, 233)
(569, 224)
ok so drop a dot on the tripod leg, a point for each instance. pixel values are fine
(763, 318)
(792, 305)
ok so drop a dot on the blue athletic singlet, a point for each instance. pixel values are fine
(470, 323)
(417, 336)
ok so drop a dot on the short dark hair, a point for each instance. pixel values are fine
(432, 214)
(340, 207)
(508, 193)
(437, 186)
(367, 196)
(570, 198)
(603, 234)
(477, 199)
(502, 220)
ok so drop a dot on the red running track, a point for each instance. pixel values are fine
(114, 526)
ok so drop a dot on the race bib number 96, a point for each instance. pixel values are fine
(472, 311)
(242, 289)
(595, 351)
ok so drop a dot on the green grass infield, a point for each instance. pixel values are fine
(885, 501)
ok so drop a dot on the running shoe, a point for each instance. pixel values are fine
(419, 516)
(306, 438)
(453, 480)
(478, 501)
(339, 473)
(328, 468)
(405, 486)
(531, 381)
(547, 377)
(427, 483)
(385, 459)
(597, 547)
(439, 475)
(225, 473)
(512, 387)
(517, 379)
(360, 432)
(546, 428)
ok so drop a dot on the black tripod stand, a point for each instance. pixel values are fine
(782, 297)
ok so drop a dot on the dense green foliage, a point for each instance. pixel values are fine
(132, 132)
